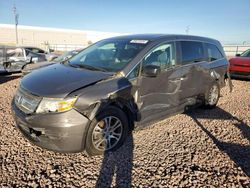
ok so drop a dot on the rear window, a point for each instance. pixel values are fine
(192, 52)
(213, 52)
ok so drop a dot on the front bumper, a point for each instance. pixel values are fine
(239, 71)
(237, 74)
(62, 132)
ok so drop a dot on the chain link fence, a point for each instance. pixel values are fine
(62, 47)
(232, 50)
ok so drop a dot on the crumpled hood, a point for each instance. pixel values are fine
(57, 81)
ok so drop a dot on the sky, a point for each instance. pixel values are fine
(225, 20)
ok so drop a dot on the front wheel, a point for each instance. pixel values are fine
(212, 96)
(107, 132)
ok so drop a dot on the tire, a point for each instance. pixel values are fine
(99, 132)
(212, 96)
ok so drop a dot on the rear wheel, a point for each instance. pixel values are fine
(212, 96)
(107, 131)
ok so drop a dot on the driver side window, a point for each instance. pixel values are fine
(162, 56)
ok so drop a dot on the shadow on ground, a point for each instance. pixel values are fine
(237, 152)
(118, 165)
(6, 77)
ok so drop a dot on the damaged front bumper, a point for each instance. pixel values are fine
(61, 132)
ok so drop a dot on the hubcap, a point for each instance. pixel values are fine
(213, 95)
(107, 133)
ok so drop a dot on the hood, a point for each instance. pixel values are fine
(38, 65)
(58, 80)
(244, 61)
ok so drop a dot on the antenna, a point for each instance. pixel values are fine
(16, 16)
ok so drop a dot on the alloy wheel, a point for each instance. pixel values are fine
(107, 133)
(213, 95)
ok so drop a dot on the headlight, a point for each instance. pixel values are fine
(55, 105)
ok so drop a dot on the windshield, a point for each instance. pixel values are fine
(246, 53)
(108, 55)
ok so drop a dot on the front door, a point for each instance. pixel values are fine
(158, 95)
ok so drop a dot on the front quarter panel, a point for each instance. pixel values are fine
(93, 99)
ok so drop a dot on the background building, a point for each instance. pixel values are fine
(68, 39)
(54, 38)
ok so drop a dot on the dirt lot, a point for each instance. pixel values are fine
(203, 148)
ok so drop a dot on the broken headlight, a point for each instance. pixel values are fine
(55, 105)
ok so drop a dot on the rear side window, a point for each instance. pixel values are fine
(213, 52)
(245, 54)
(36, 50)
(192, 52)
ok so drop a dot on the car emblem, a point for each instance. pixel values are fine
(19, 99)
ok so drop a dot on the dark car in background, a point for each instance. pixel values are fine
(240, 65)
(13, 59)
(37, 65)
(91, 102)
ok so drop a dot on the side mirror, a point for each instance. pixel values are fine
(237, 55)
(151, 70)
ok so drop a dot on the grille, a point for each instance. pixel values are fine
(26, 101)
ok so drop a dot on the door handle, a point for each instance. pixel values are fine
(180, 78)
(183, 78)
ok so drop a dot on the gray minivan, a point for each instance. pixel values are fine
(91, 101)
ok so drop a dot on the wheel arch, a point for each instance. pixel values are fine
(122, 104)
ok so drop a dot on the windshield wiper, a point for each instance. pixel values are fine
(89, 67)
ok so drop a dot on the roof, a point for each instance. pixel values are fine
(154, 37)
(139, 36)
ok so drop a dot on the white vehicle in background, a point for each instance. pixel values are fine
(49, 56)
(13, 59)
(29, 67)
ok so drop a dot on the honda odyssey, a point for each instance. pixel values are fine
(91, 101)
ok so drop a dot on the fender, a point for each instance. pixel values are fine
(116, 91)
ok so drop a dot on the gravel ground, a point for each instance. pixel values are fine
(202, 148)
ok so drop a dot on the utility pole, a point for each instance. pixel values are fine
(16, 15)
(187, 29)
